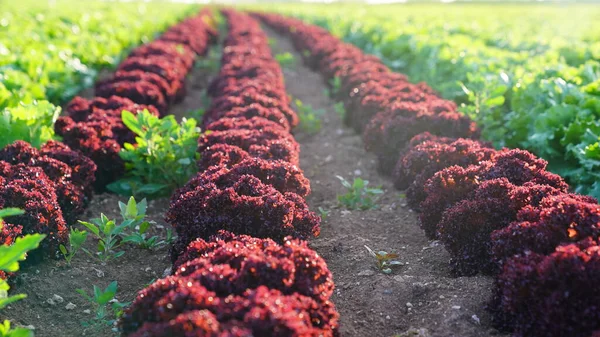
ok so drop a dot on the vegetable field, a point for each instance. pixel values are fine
(337, 169)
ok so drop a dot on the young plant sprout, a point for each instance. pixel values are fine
(384, 260)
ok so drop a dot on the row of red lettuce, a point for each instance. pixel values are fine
(241, 266)
(497, 212)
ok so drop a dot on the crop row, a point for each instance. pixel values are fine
(241, 267)
(151, 78)
(51, 51)
(54, 184)
(532, 85)
(496, 211)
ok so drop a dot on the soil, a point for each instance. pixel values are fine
(421, 294)
(419, 298)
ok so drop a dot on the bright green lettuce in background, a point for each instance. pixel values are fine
(527, 73)
(51, 50)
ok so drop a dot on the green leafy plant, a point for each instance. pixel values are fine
(109, 238)
(133, 229)
(384, 260)
(212, 62)
(33, 122)
(310, 118)
(359, 195)
(76, 240)
(134, 215)
(10, 256)
(163, 158)
(323, 212)
(286, 60)
(106, 307)
(340, 109)
(335, 85)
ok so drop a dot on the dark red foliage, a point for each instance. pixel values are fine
(236, 286)
(466, 227)
(281, 175)
(268, 143)
(8, 234)
(242, 262)
(480, 197)
(83, 168)
(163, 66)
(178, 52)
(246, 206)
(239, 123)
(551, 295)
(107, 110)
(171, 91)
(226, 103)
(221, 155)
(95, 128)
(140, 92)
(456, 183)
(248, 111)
(255, 87)
(389, 131)
(30, 189)
(256, 312)
(421, 162)
(558, 219)
(96, 141)
(70, 179)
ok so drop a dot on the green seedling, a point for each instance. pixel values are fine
(107, 309)
(286, 60)
(359, 195)
(384, 260)
(10, 256)
(335, 85)
(134, 215)
(323, 212)
(310, 118)
(212, 62)
(340, 109)
(76, 240)
(108, 234)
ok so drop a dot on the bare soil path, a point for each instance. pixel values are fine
(420, 294)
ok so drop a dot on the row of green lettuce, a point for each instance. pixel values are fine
(528, 74)
(51, 50)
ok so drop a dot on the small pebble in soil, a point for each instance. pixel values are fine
(399, 278)
(87, 311)
(357, 172)
(70, 306)
(476, 319)
(99, 273)
(456, 307)
(367, 272)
